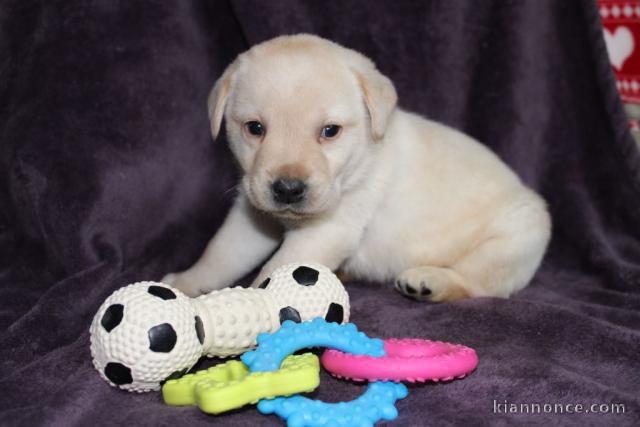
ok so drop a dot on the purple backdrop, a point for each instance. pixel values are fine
(108, 175)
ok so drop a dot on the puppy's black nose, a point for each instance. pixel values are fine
(288, 190)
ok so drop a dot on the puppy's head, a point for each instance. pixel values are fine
(302, 117)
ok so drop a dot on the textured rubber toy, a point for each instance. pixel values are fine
(412, 360)
(291, 337)
(230, 385)
(123, 347)
(377, 403)
(147, 332)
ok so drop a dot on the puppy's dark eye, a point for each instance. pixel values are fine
(254, 128)
(330, 131)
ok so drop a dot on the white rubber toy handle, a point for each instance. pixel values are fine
(234, 317)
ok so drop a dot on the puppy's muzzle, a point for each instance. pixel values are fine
(288, 191)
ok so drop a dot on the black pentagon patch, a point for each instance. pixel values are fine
(289, 313)
(112, 317)
(305, 276)
(161, 292)
(200, 329)
(177, 374)
(118, 373)
(335, 313)
(162, 338)
(264, 284)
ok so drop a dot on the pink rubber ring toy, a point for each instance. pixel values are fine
(408, 359)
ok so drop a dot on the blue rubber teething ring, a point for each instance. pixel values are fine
(377, 403)
(291, 337)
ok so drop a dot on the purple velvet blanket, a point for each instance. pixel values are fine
(108, 175)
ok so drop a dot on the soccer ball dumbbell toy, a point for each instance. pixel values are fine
(149, 332)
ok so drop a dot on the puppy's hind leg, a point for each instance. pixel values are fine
(505, 262)
(501, 263)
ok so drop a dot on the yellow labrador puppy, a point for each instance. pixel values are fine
(335, 173)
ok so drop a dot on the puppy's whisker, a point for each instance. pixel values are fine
(233, 190)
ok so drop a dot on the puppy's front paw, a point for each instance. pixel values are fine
(432, 284)
(169, 279)
(185, 283)
(260, 282)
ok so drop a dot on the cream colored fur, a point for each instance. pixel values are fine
(393, 197)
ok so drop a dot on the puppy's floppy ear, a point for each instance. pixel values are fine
(218, 98)
(379, 95)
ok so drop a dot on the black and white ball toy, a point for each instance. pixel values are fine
(148, 332)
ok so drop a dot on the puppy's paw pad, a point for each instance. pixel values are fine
(424, 290)
(433, 284)
(419, 291)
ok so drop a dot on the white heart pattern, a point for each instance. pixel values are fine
(619, 45)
